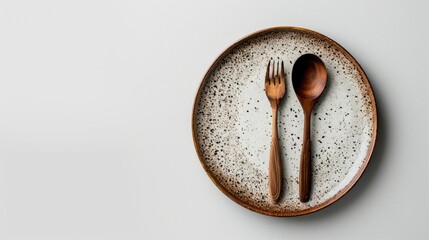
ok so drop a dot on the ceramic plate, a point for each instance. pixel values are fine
(231, 122)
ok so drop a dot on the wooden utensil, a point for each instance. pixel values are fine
(309, 79)
(275, 88)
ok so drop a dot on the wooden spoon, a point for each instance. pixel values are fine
(309, 79)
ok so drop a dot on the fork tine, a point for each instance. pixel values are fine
(277, 74)
(267, 75)
(273, 75)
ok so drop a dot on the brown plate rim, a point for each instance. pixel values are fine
(343, 191)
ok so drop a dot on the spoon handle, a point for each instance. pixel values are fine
(275, 166)
(305, 167)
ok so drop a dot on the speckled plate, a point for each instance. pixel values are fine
(231, 122)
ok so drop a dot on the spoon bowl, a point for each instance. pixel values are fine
(309, 78)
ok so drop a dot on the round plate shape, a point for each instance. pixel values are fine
(231, 122)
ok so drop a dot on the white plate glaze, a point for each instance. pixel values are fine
(232, 122)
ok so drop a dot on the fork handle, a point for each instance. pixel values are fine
(275, 166)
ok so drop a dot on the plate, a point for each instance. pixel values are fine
(231, 122)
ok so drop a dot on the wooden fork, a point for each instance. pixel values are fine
(275, 88)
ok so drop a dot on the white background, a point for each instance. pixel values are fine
(95, 119)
